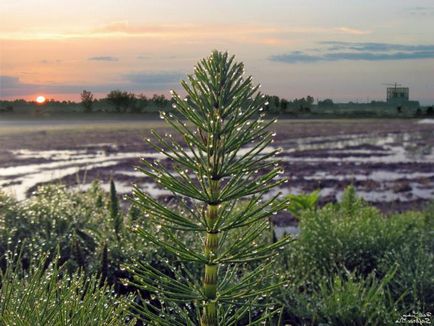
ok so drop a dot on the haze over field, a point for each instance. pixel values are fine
(344, 50)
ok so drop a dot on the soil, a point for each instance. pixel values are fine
(393, 158)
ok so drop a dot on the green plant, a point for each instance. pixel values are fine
(115, 215)
(48, 295)
(54, 217)
(223, 158)
(301, 202)
(348, 300)
(350, 202)
(351, 235)
(414, 279)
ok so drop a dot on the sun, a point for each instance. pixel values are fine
(40, 99)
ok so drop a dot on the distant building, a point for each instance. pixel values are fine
(398, 94)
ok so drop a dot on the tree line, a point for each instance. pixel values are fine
(127, 102)
(123, 101)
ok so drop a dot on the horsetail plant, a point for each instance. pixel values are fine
(115, 216)
(220, 168)
(46, 294)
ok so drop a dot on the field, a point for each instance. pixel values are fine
(359, 254)
(390, 162)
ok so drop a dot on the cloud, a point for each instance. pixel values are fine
(104, 58)
(47, 62)
(351, 51)
(143, 57)
(375, 47)
(351, 31)
(124, 27)
(296, 57)
(421, 11)
(12, 86)
(146, 79)
(8, 82)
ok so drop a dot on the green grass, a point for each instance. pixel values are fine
(48, 295)
(349, 266)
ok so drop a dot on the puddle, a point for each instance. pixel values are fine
(280, 231)
(426, 121)
(381, 175)
(387, 168)
(17, 180)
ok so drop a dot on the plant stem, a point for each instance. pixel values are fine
(209, 315)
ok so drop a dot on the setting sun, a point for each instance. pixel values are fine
(40, 99)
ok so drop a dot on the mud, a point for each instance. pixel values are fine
(391, 163)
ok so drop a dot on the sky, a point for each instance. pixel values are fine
(346, 50)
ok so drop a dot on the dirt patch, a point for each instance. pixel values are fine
(391, 162)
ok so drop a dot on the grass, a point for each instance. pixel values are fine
(349, 266)
(48, 295)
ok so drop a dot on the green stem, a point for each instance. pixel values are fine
(209, 315)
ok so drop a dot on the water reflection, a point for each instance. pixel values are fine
(390, 167)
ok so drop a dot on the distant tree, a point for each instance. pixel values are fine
(160, 101)
(309, 100)
(272, 104)
(283, 104)
(20, 101)
(140, 103)
(275, 101)
(301, 104)
(87, 100)
(326, 102)
(121, 100)
(430, 111)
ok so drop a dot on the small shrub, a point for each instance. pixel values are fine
(351, 235)
(348, 300)
(50, 296)
(413, 283)
(55, 217)
(78, 223)
(302, 202)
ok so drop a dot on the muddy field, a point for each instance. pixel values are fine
(391, 162)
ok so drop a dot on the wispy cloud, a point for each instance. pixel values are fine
(340, 51)
(421, 11)
(266, 34)
(124, 27)
(146, 79)
(8, 82)
(12, 86)
(103, 58)
(351, 31)
(376, 47)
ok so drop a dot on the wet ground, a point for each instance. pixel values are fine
(390, 162)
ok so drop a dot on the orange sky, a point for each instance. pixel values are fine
(343, 50)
